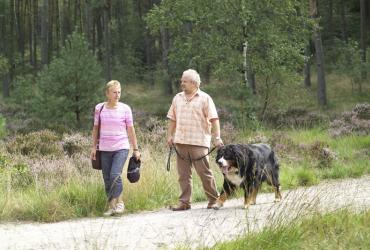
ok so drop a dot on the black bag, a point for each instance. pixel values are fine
(96, 164)
(133, 170)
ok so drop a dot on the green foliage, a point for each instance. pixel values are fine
(348, 61)
(70, 85)
(306, 177)
(212, 33)
(2, 126)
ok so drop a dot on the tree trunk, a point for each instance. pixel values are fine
(363, 40)
(330, 18)
(19, 23)
(99, 34)
(165, 49)
(321, 83)
(35, 20)
(148, 41)
(3, 48)
(307, 66)
(343, 21)
(44, 32)
(66, 23)
(57, 27)
(107, 41)
(51, 21)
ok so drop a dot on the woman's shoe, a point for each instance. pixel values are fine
(119, 208)
(109, 212)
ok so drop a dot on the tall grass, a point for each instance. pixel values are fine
(339, 230)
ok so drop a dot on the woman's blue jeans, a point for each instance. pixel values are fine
(112, 165)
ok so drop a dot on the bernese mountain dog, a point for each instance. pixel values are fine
(246, 166)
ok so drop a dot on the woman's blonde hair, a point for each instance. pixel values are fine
(111, 84)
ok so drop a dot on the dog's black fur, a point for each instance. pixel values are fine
(247, 166)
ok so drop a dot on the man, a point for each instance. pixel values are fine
(192, 121)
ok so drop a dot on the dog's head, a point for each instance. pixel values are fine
(232, 158)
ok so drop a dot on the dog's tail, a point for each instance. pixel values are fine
(274, 160)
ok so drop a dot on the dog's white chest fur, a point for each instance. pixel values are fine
(234, 178)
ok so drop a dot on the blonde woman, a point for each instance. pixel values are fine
(116, 133)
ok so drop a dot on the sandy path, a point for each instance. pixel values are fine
(192, 228)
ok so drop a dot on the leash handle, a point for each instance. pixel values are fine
(169, 159)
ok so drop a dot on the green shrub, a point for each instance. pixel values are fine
(306, 177)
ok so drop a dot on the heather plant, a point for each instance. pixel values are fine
(36, 144)
(75, 143)
(355, 122)
(296, 117)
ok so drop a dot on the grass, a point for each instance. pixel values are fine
(339, 230)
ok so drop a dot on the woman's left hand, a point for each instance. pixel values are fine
(137, 155)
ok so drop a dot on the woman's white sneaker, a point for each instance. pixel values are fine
(109, 212)
(120, 207)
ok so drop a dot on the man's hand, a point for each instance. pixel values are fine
(218, 142)
(170, 141)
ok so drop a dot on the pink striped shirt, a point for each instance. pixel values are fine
(113, 126)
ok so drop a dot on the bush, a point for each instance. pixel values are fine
(75, 143)
(36, 144)
(295, 117)
(355, 122)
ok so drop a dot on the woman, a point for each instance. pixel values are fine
(116, 132)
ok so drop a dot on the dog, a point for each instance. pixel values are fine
(246, 166)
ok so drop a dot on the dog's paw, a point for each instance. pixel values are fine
(277, 200)
(217, 206)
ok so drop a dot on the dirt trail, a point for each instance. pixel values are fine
(192, 228)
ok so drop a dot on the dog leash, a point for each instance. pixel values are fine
(183, 158)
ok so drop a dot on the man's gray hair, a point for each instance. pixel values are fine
(194, 76)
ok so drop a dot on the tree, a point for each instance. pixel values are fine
(210, 32)
(319, 53)
(363, 37)
(71, 84)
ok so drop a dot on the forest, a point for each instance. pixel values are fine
(55, 56)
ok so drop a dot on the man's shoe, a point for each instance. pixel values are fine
(181, 207)
(212, 205)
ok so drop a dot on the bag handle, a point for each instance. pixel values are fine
(99, 126)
